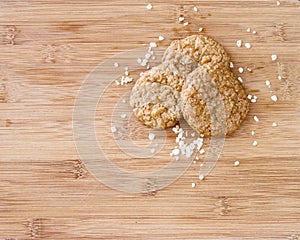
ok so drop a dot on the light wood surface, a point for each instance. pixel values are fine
(48, 48)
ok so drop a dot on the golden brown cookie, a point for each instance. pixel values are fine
(214, 103)
(200, 48)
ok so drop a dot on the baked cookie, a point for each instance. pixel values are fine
(200, 48)
(155, 97)
(214, 103)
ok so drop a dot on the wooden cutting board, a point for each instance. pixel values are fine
(48, 48)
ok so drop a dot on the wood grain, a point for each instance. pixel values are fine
(47, 50)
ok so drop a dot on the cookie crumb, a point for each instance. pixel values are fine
(151, 136)
(248, 45)
(113, 129)
(274, 57)
(239, 43)
(236, 163)
(274, 98)
(149, 6)
(256, 119)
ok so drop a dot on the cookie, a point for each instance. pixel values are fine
(155, 97)
(199, 48)
(214, 103)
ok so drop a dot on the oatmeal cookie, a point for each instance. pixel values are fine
(213, 103)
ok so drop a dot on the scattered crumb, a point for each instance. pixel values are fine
(254, 143)
(186, 23)
(248, 30)
(252, 133)
(113, 129)
(193, 185)
(153, 44)
(149, 6)
(239, 43)
(195, 9)
(201, 177)
(277, 3)
(181, 19)
(274, 57)
(200, 29)
(161, 38)
(116, 64)
(236, 163)
(256, 119)
(279, 77)
(151, 136)
(274, 124)
(274, 98)
(123, 115)
(241, 70)
(240, 79)
(231, 65)
(248, 45)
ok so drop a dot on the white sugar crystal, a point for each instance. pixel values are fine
(200, 29)
(117, 82)
(268, 83)
(116, 64)
(193, 185)
(231, 65)
(152, 150)
(274, 124)
(253, 100)
(241, 70)
(254, 32)
(123, 115)
(254, 143)
(279, 77)
(256, 119)
(274, 57)
(252, 133)
(277, 3)
(149, 6)
(181, 19)
(248, 45)
(201, 177)
(151, 136)
(113, 129)
(202, 151)
(175, 151)
(240, 79)
(249, 96)
(274, 98)
(153, 44)
(161, 38)
(186, 23)
(195, 9)
(236, 163)
(123, 100)
(239, 43)
(248, 30)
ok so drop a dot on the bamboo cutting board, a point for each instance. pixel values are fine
(48, 49)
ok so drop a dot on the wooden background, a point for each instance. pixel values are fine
(47, 48)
